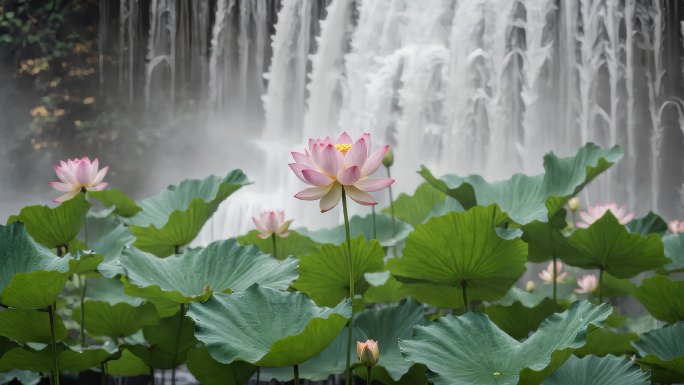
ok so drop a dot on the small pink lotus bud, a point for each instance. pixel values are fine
(574, 203)
(530, 286)
(368, 352)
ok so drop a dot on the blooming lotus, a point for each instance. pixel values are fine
(547, 275)
(272, 222)
(676, 227)
(78, 175)
(332, 166)
(587, 284)
(368, 352)
(595, 212)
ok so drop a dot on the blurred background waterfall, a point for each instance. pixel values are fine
(164, 90)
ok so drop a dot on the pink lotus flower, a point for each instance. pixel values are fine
(272, 222)
(78, 175)
(368, 352)
(676, 227)
(331, 166)
(587, 284)
(594, 213)
(547, 275)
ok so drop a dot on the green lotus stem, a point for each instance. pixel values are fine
(296, 374)
(83, 287)
(555, 284)
(176, 249)
(464, 288)
(600, 285)
(394, 221)
(181, 313)
(275, 250)
(258, 373)
(103, 368)
(347, 377)
(53, 340)
(375, 232)
(369, 378)
(151, 375)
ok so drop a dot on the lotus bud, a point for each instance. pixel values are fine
(574, 203)
(530, 286)
(388, 160)
(368, 352)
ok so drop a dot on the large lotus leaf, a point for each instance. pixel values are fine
(25, 358)
(518, 320)
(470, 349)
(362, 227)
(123, 205)
(387, 326)
(110, 291)
(662, 351)
(528, 198)
(459, 250)
(674, 249)
(116, 321)
(324, 274)
(57, 226)
(295, 244)
(111, 245)
(383, 288)
(167, 342)
(266, 327)
(175, 217)
(128, 365)
(663, 298)
(23, 377)
(607, 245)
(414, 209)
(593, 370)
(220, 267)
(30, 326)
(209, 372)
(604, 341)
(651, 223)
(544, 239)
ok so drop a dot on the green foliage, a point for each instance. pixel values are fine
(592, 370)
(122, 204)
(293, 245)
(415, 209)
(662, 352)
(663, 298)
(388, 234)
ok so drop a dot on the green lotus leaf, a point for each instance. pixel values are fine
(110, 291)
(122, 204)
(459, 250)
(23, 377)
(518, 320)
(30, 326)
(174, 218)
(528, 198)
(544, 239)
(663, 298)
(266, 327)
(362, 227)
(604, 341)
(115, 321)
(383, 288)
(116, 239)
(674, 249)
(651, 223)
(387, 326)
(209, 372)
(607, 245)
(128, 365)
(527, 299)
(324, 274)
(414, 209)
(470, 349)
(25, 358)
(221, 266)
(167, 342)
(592, 370)
(295, 244)
(54, 227)
(662, 351)
(617, 287)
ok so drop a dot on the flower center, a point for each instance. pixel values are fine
(343, 147)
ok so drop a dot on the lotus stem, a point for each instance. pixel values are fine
(151, 375)
(394, 221)
(347, 378)
(296, 374)
(258, 374)
(181, 313)
(53, 339)
(600, 285)
(275, 249)
(103, 368)
(464, 288)
(555, 284)
(375, 232)
(83, 285)
(369, 378)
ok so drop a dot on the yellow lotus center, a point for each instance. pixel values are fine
(343, 147)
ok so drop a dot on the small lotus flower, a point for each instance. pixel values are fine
(388, 160)
(272, 222)
(547, 275)
(368, 352)
(78, 175)
(530, 286)
(330, 166)
(574, 203)
(587, 284)
(594, 213)
(676, 227)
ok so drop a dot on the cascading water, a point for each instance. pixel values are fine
(469, 86)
